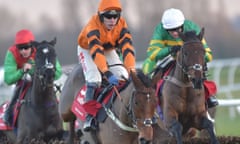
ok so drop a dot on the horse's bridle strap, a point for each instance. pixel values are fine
(176, 81)
(118, 122)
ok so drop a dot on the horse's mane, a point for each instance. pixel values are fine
(190, 35)
(144, 79)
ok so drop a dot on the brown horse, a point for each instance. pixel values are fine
(183, 92)
(131, 114)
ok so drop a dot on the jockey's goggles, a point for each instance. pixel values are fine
(178, 29)
(24, 46)
(111, 14)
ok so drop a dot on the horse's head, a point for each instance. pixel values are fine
(191, 57)
(143, 104)
(45, 61)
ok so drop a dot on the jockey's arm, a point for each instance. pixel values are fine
(11, 73)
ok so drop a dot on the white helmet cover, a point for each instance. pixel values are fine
(172, 18)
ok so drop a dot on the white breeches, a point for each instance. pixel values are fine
(90, 70)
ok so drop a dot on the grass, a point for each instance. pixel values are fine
(227, 124)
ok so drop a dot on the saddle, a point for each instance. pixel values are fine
(104, 96)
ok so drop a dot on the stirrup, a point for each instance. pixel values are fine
(212, 102)
(89, 124)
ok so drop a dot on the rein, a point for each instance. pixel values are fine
(185, 69)
(130, 112)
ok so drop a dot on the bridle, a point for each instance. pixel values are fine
(185, 69)
(147, 122)
(195, 67)
(45, 69)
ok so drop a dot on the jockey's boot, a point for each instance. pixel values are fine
(8, 114)
(212, 102)
(89, 123)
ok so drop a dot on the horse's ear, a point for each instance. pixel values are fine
(54, 41)
(200, 35)
(34, 43)
(137, 82)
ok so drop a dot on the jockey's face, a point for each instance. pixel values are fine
(25, 50)
(174, 32)
(110, 18)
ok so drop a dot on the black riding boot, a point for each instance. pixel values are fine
(8, 114)
(212, 102)
(89, 123)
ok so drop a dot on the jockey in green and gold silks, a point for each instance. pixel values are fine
(162, 41)
(166, 42)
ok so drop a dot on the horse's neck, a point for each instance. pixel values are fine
(39, 93)
(122, 107)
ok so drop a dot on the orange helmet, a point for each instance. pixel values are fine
(106, 5)
(24, 37)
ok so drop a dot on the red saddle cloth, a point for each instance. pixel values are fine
(81, 109)
(3, 108)
(16, 110)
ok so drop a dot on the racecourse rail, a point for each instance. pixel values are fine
(232, 65)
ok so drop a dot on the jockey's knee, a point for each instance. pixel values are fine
(94, 77)
(120, 72)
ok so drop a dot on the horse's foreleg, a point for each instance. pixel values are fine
(208, 125)
(176, 129)
(71, 136)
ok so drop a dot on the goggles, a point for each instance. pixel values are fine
(24, 46)
(178, 29)
(111, 14)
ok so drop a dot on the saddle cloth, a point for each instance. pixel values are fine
(16, 108)
(103, 96)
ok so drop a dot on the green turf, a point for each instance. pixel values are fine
(225, 124)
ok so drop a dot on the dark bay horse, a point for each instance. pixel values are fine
(38, 116)
(134, 111)
(183, 91)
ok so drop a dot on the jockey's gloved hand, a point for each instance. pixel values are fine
(112, 79)
(174, 49)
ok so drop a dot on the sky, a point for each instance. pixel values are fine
(37, 8)
(53, 7)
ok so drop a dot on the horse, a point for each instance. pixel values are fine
(38, 115)
(183, 98)
(130, 118)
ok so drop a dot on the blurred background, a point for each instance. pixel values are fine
(64, 19)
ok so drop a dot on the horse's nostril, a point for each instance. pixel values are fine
(144, 141)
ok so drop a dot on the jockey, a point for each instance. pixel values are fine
(165, 42)
(19, 59)
(101, 41)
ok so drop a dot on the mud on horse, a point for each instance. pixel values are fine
(183, 94)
